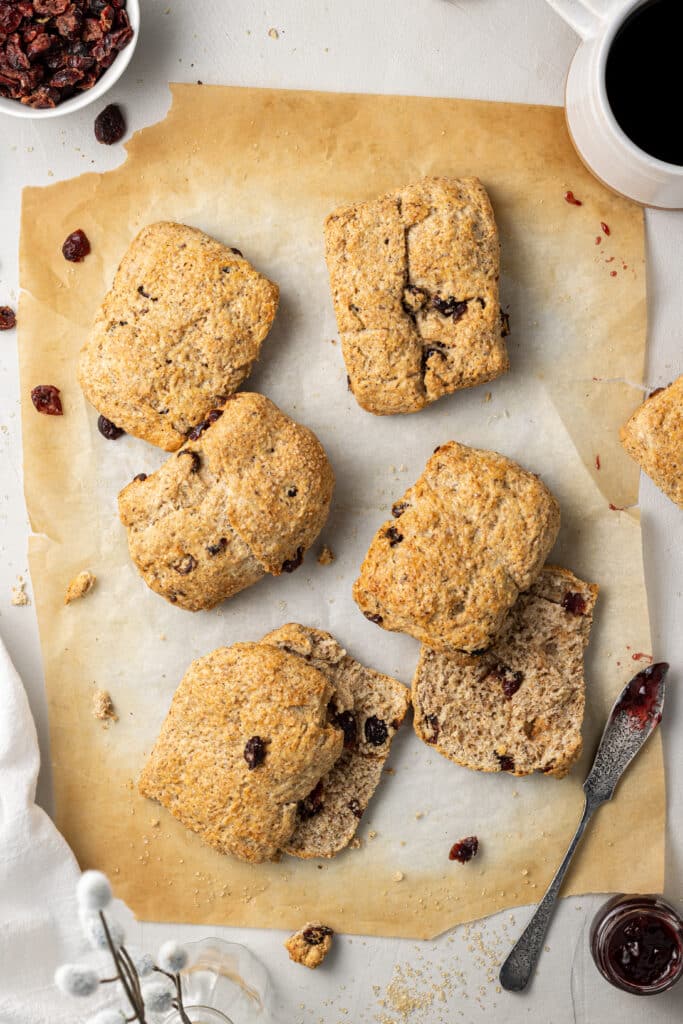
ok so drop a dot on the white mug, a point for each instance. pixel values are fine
(602, 145)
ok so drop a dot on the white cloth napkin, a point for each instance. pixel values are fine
(38, 872)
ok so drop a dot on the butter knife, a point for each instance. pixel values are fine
(634, 717)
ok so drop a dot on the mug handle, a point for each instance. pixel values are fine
(584, 16)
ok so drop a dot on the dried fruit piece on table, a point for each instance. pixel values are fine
(8, 318)
(76, 246)
(110, 126)
(45, 398)
(464, 850)
(108, 429)
(80, 585)
(310, 945)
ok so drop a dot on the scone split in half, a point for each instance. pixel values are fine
(465, 540)
(177, 333)
(275, 746)
(246, 495)
(519, 707)
(414, 279)
(654, 438)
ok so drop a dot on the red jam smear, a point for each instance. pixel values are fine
(644, 950)
(570, 198)
(643, 695)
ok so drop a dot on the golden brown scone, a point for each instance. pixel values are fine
(310, 945)
(246, 738)
(177, 333)
(246, 495)
(518, 707)
(471, 534)
(414, 279)
(654, 438)
(369, 707)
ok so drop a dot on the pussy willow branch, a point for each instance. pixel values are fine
(175, 978)
(136, 1004)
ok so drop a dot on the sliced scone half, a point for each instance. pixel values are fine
(654, 438)
(176, 334)
(519, 706)
(369, 707)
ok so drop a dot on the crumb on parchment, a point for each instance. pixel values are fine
(103, 707)
(80, 585)
(325, 555)
(19, 596)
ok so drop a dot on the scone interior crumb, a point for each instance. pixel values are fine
(79, 586)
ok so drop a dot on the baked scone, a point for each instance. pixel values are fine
(177, 333)
(654, 438)
(275, 746)
(246, 738)
(369, 707)
(414, 279)
(471, 534)
(518, 707)
(310, 945)
(246, 495)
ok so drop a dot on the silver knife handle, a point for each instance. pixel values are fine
(519, 965)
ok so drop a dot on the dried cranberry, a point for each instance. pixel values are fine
(110, 127)
(355, 808)
(510, 681)
(215, 549)
(346, 720)
(196, 461)
(8, 318)
(254, 752)
(292, 492)
(376, 731)
(186, 564)
(316, 934)
(393, 536)
(427, 353)
(108, 429)
(399, 508)
(570, 198)
(507, 764)
(573, 603)
(197, 431)
(76, 247)
(451, 306)
(377, 619)
(312, 804)
(237, 252)
(140, 476)
(432, 723)
(464, 850)
(293, 563)
(46, 399)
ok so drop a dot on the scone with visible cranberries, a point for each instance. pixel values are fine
(654, 438)
(177, 333)
(414, 279)
(310, 945)
(519, 707)
(275, 746)
(471, 534)
(247, 494)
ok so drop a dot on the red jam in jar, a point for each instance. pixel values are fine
(637, 944)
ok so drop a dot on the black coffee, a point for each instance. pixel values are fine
(644, 79)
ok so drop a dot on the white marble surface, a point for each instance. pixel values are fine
(490, 49)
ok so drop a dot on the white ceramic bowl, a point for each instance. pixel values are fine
(17, 109)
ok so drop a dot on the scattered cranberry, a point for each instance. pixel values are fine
(76, 247)
(186, 564)
(656, 391)
(377, 619)
(376, 731)
(108, 429)
(312, 804)
(254, 752)
(110, 126)
(346, 720)
(46, 399)
(316, 934)
(612, 273)
(641, 656)
(8, 318)
(507, 764)
(597, 462)
(293, 563)
(432, 723)
(575, 604)
(140, 476)
(292, 492)
(510, 681)
(464, 850)
(572, 200)
(393, 536)
(598, 239)
(196, 432)
(355, 808)
(605, 228)
(398, 509)
(455, 308)
(215, 549)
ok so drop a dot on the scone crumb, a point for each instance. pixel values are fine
(19, 596)
(356, 843)
(103, 707)
(325, 555)
(310, 945)
(398, 876)
(488, 396)
(273, 33)
(419, 814)
(80, 585)
(155, 823)
(372, 834)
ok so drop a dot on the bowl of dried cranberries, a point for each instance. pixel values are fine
(56, 56)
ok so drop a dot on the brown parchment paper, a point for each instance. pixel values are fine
(260, 169)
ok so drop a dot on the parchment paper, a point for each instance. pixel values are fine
(260, 170)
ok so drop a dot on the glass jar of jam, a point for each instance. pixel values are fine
(637, 944)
